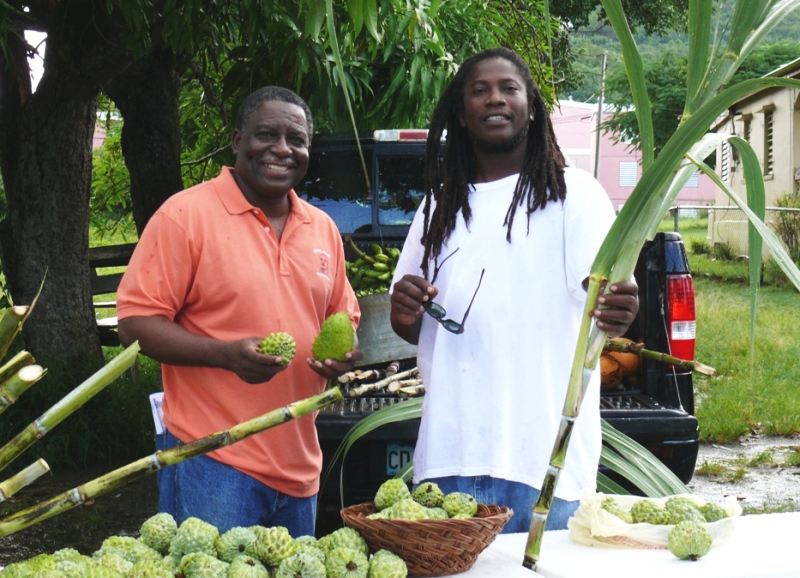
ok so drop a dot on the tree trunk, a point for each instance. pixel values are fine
(146, 94)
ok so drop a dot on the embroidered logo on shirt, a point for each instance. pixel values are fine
(324, 259)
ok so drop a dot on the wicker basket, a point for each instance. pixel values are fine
(431, 547)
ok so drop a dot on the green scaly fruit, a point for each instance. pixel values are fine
(151, 569)
(460, 505)
(390, 492)
(611, 506)
(273, 545)
(345, 537)
(386, 564)
(681, 508)
(689, 541)
(158, 531)
(244, 566)
(231, 543)
(336, 337)
(346, 563)
(713, 512)
(193, 535)
(438, 514)
(202, 565)
(428, 494)
(279, 344)
(130, 548)
(408, 509)
(301, 565)
(648, 512)
(113, 561)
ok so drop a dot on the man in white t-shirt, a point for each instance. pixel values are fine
(498, 257)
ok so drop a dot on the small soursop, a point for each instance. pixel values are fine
(428, 494)
(301, 565)
(390, 492)
(244, 566)
(346, 563)
(158, 531)
(336, 337)
(611, 506)
(273, 545)
(386, 564)
(460, 505)
(279, 344)
(648, 512)
(237, 540)
(689, 541)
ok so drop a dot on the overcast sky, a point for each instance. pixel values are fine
(34, 38)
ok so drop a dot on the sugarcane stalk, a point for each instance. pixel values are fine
(11, 320)
(19, 384)
(24, 478)
(382, 384)
(13, 365)
(94, 488)
(639, 349)
(67, 405)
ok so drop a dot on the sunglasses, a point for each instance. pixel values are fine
(438, 312)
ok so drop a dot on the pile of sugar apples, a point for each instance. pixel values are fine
(196, 549)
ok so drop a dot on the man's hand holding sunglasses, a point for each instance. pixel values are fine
(409, 296)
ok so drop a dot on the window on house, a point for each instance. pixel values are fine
(769, 159)
(628, 173)
(746, 128)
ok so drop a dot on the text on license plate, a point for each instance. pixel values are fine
(397, 456)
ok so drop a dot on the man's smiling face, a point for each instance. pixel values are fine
(495, 106)
(271, 151)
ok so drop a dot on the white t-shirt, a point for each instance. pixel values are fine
(495, 393)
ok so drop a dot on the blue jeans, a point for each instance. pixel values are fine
(519, 497)
(204, 488)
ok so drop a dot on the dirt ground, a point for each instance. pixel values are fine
(753, 470)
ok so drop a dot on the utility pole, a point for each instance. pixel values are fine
(600, 115)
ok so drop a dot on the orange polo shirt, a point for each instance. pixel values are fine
(209, 261)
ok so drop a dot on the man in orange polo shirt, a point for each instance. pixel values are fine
(218, 267)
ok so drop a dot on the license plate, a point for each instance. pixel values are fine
(397, 456)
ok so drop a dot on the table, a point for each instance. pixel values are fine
(762, 546)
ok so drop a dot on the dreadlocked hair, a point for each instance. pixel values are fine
(448, 173)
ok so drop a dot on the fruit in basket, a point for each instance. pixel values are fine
(390, 492)
(273, 545)
(158, 531)
(428, 494)
(437, 514)
(301, 565)
(681, 508)
(231, 543)
(616, 366)
(386, 564)
(460, 505)
(648, 512)
(689, 540)
(611, 506)
(336, 337)
(346, 563)
(279, 344)
(193, 535)
(407, 509)
(713, 512)
(244, 566)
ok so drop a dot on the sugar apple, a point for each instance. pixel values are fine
(428, 494)
(437, 514)
(390, 492)
(158, 531)
(113, 561)
(231, 543)
(279, 344)
(689, 540)
(460, 505)
(408, 509)
(151, 569)
(648, 512)
(194, 535)
(244, 566)
(346, 563)
(202, 565)
(301, 565)
(611, 506)
(336, 337)
(130, 548)
(273, 545)
(681, 508)
(344, 538)
(713, 512)
(386, 564)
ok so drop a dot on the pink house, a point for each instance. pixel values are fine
(618, 170)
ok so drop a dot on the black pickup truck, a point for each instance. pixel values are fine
(655, 407)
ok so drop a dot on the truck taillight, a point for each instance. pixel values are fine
(395, 135)
(681, 320)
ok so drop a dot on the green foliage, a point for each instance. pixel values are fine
(652, 17)
(787, 224)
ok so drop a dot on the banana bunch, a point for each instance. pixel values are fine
(372, 273)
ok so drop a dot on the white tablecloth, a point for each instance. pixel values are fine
(762, 546)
